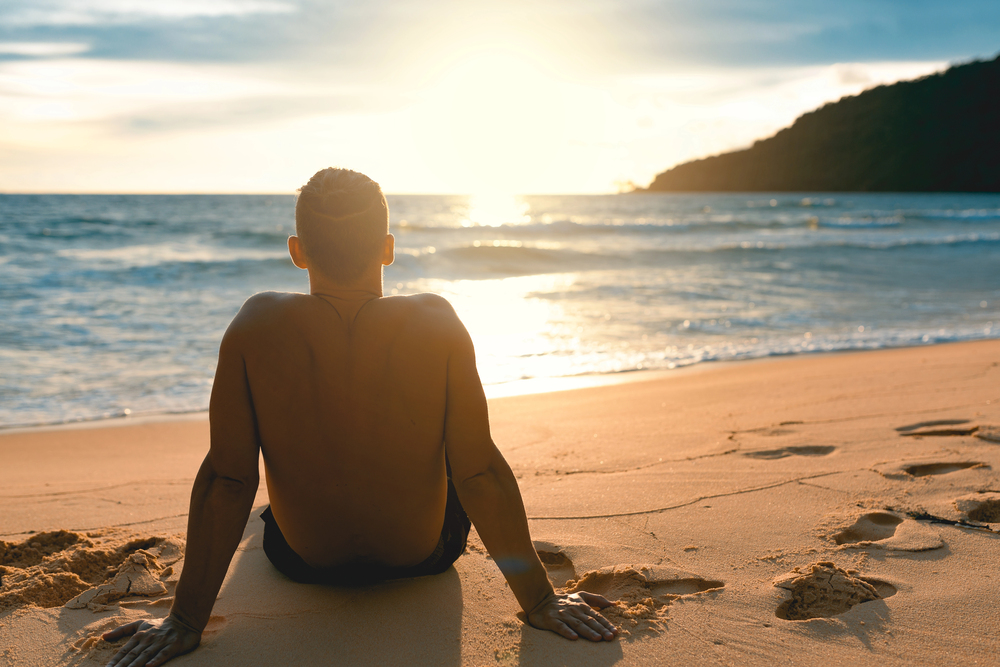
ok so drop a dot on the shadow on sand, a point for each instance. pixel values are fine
(416, 621)
(262, 618)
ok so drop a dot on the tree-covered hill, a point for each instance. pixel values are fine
(939, 133)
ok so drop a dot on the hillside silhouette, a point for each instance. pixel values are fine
(938, 133)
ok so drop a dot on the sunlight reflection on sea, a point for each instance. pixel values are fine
(115, 303)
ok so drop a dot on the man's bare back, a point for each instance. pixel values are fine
(356, 402)
(350, 397)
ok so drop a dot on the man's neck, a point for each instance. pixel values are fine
(364, 288)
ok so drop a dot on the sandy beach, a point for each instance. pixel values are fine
(747, 513)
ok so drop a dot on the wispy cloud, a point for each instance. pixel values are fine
(43, 49)
(249, 111)
(28, 13)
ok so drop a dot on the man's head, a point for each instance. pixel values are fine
(342, 223)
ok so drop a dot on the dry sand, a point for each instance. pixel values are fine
(785, 511)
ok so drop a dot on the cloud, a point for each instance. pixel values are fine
(42, 49)
(283, 32)
(249, 111)
(102, 12)
(120, 99)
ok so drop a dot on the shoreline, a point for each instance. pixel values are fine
(513, 388)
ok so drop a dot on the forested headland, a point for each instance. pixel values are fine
(938, 133)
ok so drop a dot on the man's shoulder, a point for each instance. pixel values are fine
(263, 303)
(424, 300)
(424, 304)
(270, 300)
(432, 310)
(263, 308)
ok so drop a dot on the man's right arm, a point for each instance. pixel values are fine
(489, 493)
(221, 500)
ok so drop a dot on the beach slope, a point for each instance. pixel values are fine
(829, 509)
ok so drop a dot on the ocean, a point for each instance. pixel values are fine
(115, 304)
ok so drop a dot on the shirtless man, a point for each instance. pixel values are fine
(373, 425)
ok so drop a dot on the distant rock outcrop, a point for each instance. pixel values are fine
(939, 133)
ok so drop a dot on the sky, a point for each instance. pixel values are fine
(435, 96)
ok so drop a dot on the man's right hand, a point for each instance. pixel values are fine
(153, 642)
(572, 615)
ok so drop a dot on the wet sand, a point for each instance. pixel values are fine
(807, 510)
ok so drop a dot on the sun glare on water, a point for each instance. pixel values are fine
(495, 209)
(508, 322)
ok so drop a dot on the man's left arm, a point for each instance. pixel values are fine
(221, 500)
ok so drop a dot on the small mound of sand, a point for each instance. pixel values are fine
(138, 575)
(642, 591)
(39, 589)
(37, 547)
(52, 569)
(822, 590)
(638, 610)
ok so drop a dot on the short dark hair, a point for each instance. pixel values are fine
(342, 218)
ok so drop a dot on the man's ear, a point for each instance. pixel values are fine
(297, 252)
(388, 250)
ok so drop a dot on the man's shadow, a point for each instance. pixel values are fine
(263, 618)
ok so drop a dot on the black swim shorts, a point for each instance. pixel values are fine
(450, 546)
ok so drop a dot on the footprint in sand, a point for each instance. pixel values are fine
(869, 528)
(987, 512)
(643, 593)
(910, 469)
(989, 433)
(885, 530)
(768, 434)
(558, 566)
(939, 427)
(791, 451)
(774, 431)
(925, 469)
(951, 427)
(983, 507)
(822, 590)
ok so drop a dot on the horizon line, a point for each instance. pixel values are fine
(292, 193)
